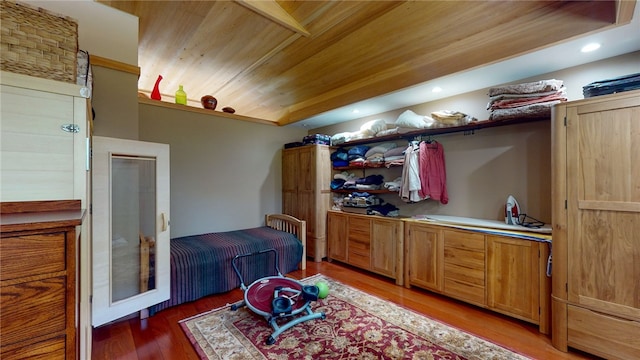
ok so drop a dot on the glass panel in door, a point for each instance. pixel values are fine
(133, 206)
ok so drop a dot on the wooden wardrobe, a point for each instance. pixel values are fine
(596, 225)
(306, 193)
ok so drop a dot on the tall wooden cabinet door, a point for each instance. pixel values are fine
(323, 196)
(513, 277)
(307, 191)
(603, 199)
(290, 169)
(337, 232)
(423, 256)
(306, 211)
(307, 168)
(384, 252)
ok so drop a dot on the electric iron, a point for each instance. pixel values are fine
(512, 211)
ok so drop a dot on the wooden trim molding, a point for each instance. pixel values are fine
(13, 207)
(147, 101)
(114, 65)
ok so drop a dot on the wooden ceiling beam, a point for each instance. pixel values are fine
(274, 12)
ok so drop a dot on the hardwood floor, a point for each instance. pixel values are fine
(160, 336)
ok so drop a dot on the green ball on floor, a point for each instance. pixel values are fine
(323, 289)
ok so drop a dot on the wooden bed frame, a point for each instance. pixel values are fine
(280, 222)
(291, 225)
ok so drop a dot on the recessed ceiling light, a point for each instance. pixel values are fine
(590, 47)
(436, 89)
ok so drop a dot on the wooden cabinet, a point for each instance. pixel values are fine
(44, 139)
(501, 273)
(596, 221)
(38, 279)
(369, 242)
(387, 244)
(423, 256)
(514, 277)
(306, 192)
(337, 233)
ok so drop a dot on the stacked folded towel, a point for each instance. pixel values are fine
(450, 117)
(526, 100)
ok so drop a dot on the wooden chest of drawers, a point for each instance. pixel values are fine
(464, 266)
(38, 279)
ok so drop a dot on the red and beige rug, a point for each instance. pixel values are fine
(357, 326)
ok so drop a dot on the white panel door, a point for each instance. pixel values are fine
(130, 227)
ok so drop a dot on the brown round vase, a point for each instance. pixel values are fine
(209, 102)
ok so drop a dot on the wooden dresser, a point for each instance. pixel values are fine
(38, 256)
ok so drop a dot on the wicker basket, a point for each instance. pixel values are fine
(38, 43)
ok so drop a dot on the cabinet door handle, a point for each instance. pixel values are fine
(72, 128)
(165, 222)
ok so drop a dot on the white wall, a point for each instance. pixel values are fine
(225, 173)
(102, 30)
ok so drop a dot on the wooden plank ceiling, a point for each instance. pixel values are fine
(285, 61)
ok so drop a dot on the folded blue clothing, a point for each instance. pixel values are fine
(360, 194)
(371, 180)
(613, 85)
(358, 151)
(337, 184)
(384, 210)
(340, 154)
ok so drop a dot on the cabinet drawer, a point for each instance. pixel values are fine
(463, 240)
(49, 349)
(363, 247)
(464, 274)
(359, 230)
(603, 335)
(32, 309)
(473, 260)
(360, 259)
(464, 291)
(30, 255)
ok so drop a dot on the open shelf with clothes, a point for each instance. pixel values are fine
(362, 177)
(467, 129)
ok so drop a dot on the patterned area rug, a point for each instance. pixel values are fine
(357, 326)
